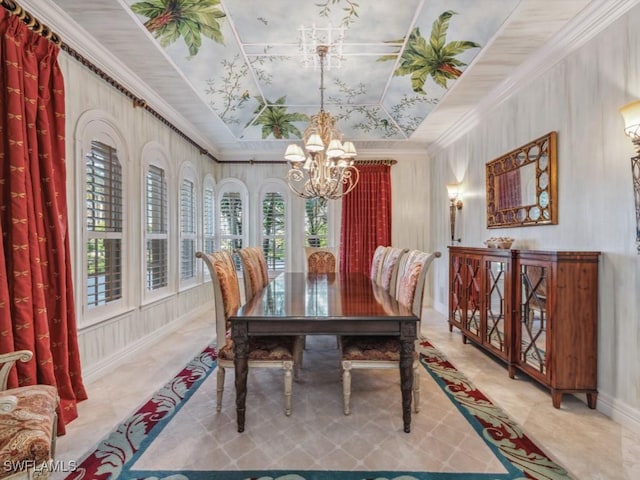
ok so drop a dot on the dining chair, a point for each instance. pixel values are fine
(383, 352)
(258, 254)
(256, 277)
(376, 263)
(263, 351)
(321, 259)
(254, 270)
(390, 266)
(28, 422)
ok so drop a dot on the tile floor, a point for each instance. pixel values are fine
(588, 444)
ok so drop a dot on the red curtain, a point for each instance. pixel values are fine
(36, 293)
(366, 218)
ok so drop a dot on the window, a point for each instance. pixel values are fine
(187, 230)
(231, 221)
(104, 217)
(316, 222)
(208, 221)
(157, 231)
(274, 230)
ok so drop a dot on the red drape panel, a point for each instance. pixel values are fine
(366, 218)
(36, 292)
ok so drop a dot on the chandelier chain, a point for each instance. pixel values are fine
(322, 52)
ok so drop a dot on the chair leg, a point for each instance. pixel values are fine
(299, 346)
(346, 386)
(288, 385)
(220, 388)
(416, 387)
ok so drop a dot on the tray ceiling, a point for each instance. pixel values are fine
(242, 75)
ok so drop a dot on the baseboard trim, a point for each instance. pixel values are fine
(617, 410)
(620, 412)
(114, 361)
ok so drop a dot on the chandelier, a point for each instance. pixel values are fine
(327, 169)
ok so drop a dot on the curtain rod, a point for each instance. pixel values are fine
(38, 27)
(388, 162)
(362, 163)
(253, 162)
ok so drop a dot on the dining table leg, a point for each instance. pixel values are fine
(241, 365)
(407, 349)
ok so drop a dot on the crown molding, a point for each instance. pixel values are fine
(80, 40)
(596, 17)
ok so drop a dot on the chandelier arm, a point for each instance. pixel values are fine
(328, 171)
(294, 177)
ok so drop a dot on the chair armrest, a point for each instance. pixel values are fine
(8, 403)
(8, 360)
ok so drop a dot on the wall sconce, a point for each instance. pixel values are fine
(454, 191)
(631, 115)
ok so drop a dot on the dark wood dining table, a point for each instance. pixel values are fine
(323, 304)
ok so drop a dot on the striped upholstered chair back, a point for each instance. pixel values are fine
(411, 279)
(254, 268)
(376, 263)
(390, 267)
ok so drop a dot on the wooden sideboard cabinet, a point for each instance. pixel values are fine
(535, 310)
(480, 297)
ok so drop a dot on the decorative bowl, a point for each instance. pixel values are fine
(499, 242)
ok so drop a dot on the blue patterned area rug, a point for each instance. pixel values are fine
(116, 456)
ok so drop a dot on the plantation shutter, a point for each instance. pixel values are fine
(157, 238)
(231, 222)
(316, 222)
(104, 208)
(209, 221)
(187, 230)
(274, 230)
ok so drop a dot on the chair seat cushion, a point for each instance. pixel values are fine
(26, 432)
(370, 348)
(277, 348)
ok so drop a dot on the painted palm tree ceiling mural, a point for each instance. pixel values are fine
(241, 77)
(390, 63)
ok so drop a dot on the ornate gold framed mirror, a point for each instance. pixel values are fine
(522, 187)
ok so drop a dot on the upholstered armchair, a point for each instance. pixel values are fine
(28, 422)
(321, 260)
(381, 352)
(265, 352)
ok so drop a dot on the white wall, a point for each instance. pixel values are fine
(579, 98)
(103, 344)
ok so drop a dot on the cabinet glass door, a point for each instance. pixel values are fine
(533, 317)
(457, 287)
(496, 273)
(472, 286)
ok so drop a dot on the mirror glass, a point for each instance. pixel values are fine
(521, 185)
